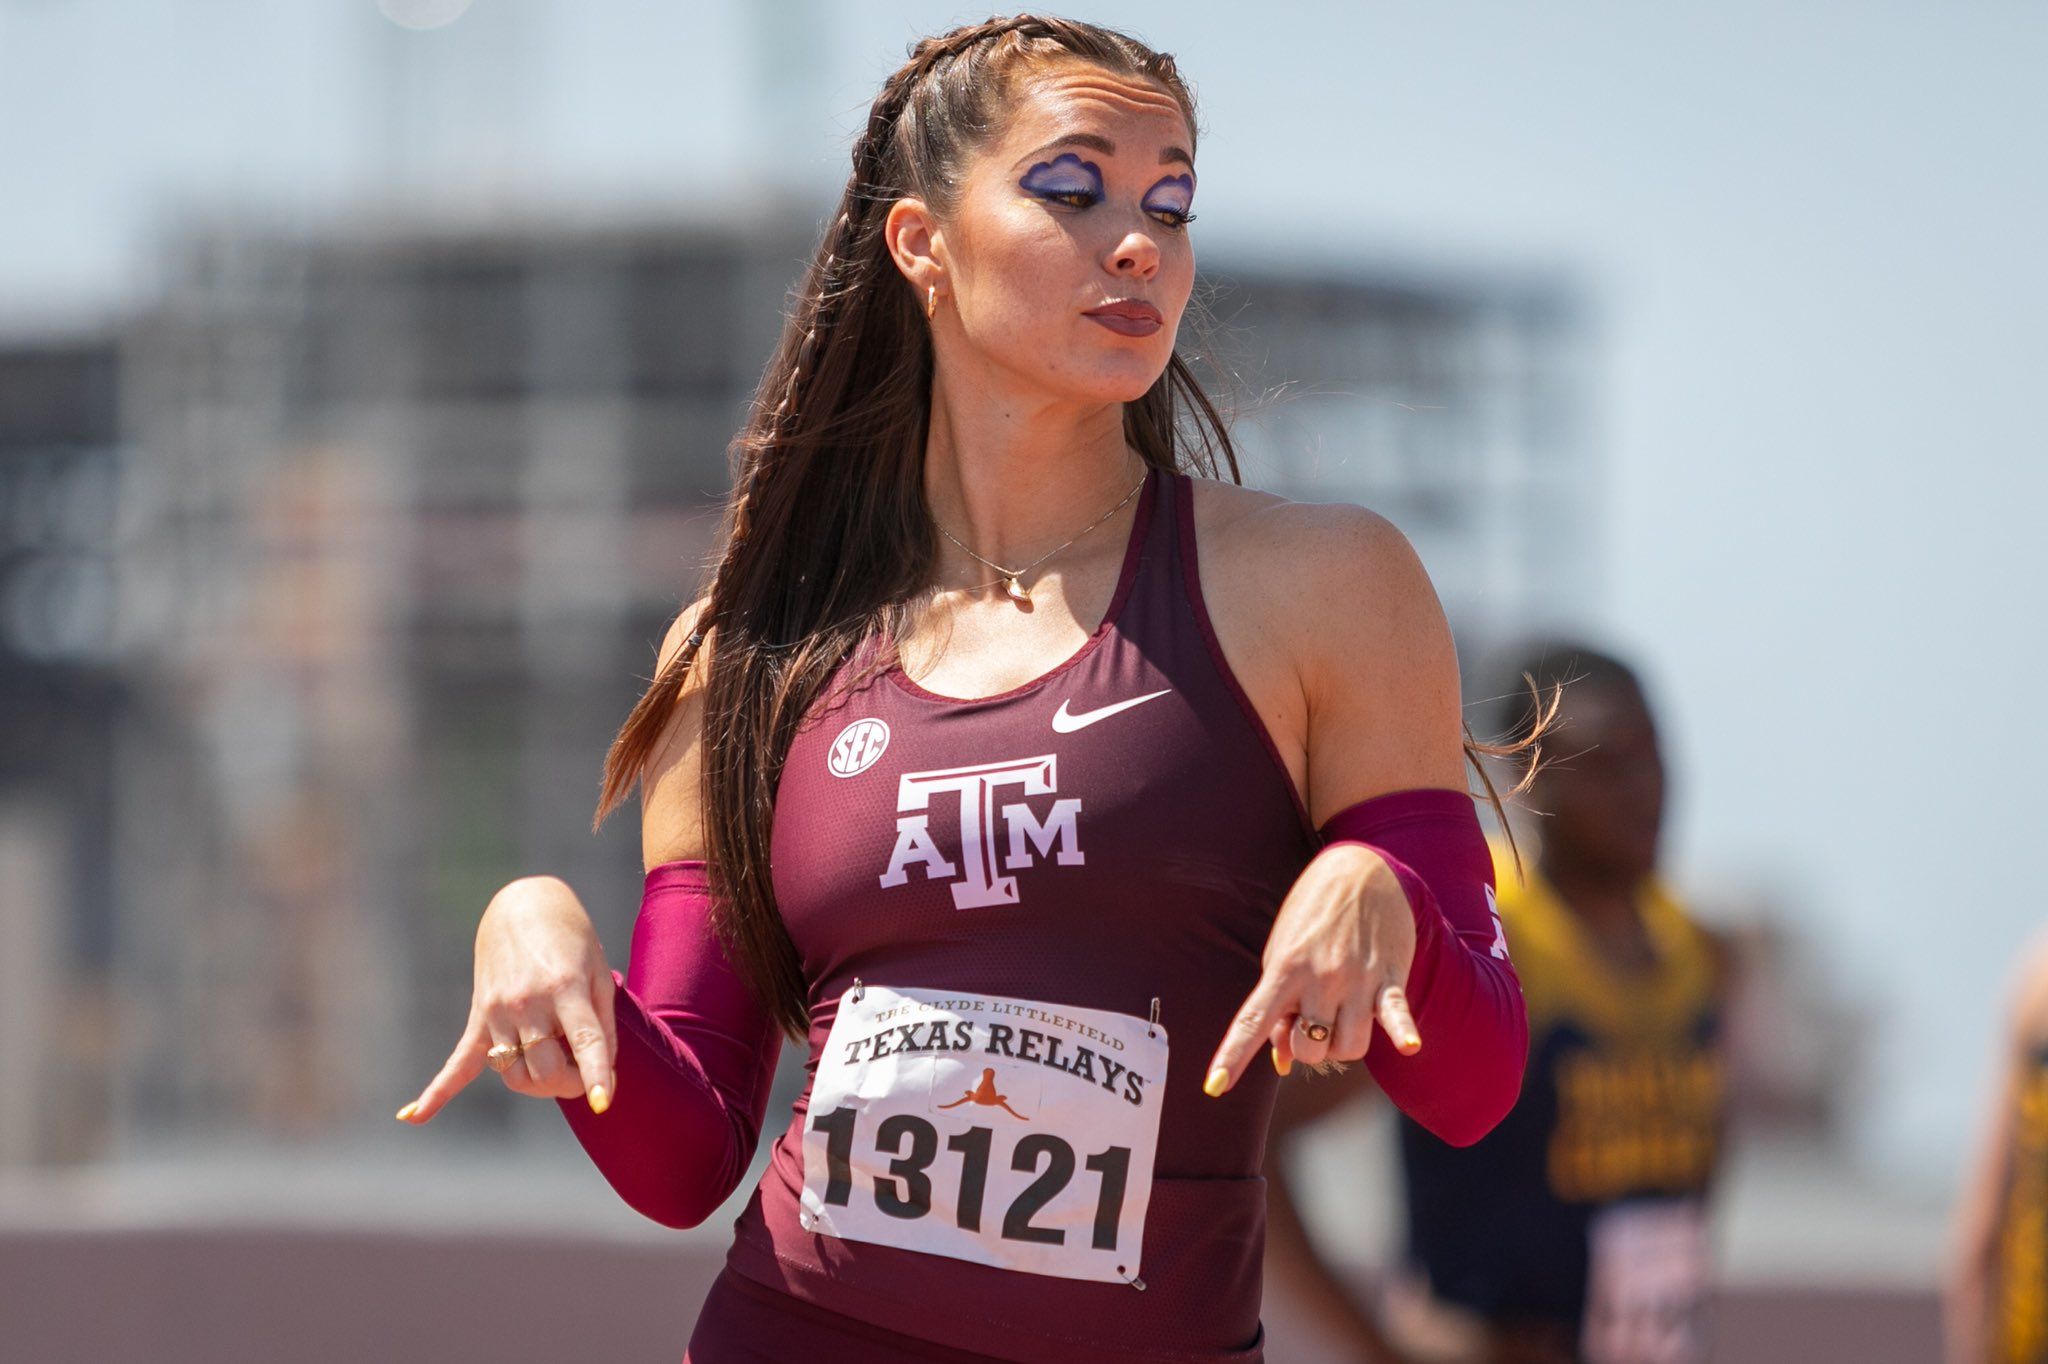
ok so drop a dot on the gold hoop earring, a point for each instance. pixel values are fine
(931, 302)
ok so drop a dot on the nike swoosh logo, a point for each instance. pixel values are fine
(1065, 722)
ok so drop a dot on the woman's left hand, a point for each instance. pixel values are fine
(1338, 954)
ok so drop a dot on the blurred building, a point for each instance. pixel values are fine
(418, 508)
(1453, 406)
(62, 696)
(409, 508)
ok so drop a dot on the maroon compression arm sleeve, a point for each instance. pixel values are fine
(696, 1056)
(1462, 988)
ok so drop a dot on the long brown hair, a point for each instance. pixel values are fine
(827, 539)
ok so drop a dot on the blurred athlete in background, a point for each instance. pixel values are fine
(1576, 1229)
(1997, 1301)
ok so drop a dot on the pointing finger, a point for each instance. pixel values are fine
(464, 1064)
(1247, 1030)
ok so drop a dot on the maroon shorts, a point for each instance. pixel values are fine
(743, 1322)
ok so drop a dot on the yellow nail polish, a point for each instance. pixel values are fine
(408, 1110)
(1218, 1078)
(599, 1099)
(1282, 1066)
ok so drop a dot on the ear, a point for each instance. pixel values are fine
(911, 233)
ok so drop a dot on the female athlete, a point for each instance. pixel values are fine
(1032, 823)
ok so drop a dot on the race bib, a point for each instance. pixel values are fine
(1004, 1131)
(1647, 1290)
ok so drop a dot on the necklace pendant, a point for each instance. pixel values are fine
(1017, 593)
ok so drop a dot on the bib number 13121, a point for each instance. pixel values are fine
(1004, 1131)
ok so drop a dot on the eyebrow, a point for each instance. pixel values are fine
(1108, 148)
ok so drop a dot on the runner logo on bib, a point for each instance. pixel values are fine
(1004, 1131)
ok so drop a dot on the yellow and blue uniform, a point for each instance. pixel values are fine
(2020, 1285)
(1621, 1107)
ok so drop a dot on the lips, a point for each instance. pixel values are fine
(1127, 317)
(1130, 309)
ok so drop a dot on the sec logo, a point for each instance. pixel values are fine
(857, 747)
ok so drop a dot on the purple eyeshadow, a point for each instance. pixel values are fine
(1174, 202)
(1058, 176)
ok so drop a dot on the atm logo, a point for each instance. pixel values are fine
(995, 836)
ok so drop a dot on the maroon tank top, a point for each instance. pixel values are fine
(1116, 831)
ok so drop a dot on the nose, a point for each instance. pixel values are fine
(1136, 254)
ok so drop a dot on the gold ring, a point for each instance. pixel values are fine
(501, 1057)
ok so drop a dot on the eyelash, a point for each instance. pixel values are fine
(1179, 223)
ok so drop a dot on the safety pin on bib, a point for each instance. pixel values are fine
(1151, 1030)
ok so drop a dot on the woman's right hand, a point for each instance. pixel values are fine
(540, 972)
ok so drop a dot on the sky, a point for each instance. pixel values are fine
(1810, 234)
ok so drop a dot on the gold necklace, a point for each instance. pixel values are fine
(1016, 590)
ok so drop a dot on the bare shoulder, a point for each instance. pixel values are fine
(1327, 614)
(1313, 566)
(1219, 503)
(1265, 530)
(671, 814)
